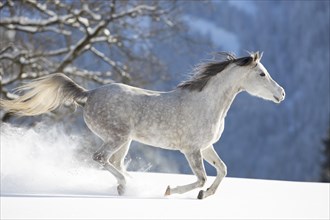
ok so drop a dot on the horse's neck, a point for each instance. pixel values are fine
(220, 92)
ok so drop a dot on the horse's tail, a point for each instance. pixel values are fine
(45, 94)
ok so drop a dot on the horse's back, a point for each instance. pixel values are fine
(119, 108)
(117, 95)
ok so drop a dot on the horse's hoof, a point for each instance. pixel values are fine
(200, 195)
(121, 189)
(168, 191)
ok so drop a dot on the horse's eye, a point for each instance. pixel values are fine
(262, 74)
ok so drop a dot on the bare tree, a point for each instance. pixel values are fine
(91, 41)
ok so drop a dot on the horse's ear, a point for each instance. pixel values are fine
(257, 56)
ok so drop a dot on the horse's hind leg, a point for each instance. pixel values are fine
(104, 154)
(118, 158)
(196, 164)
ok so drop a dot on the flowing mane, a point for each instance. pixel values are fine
(204, 71)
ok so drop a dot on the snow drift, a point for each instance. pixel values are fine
(46, 160)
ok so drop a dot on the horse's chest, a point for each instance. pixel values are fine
(203, 136)
(213, 133)
(218, 131)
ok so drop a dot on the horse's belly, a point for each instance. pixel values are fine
(179, 139)
(157, 139)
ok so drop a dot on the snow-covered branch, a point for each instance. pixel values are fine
(27, 22)
(120, 68)
(79, 38)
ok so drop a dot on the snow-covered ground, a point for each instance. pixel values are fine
(43, 177)
(235, 199)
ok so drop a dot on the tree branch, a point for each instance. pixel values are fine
(74, 53)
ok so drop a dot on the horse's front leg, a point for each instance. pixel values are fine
(210, 155)
(196, 164)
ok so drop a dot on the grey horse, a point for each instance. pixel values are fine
(189, 118)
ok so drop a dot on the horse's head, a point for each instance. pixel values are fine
(258, 82)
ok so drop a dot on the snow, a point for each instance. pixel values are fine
(45, 175)
(235, 199)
